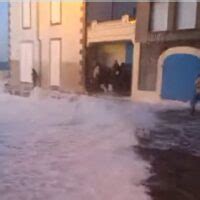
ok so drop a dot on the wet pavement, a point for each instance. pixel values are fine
(173, 149)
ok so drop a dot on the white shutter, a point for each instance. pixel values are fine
(55, 62)
(159, 16)
(55, 12)
(186, 16)
(26, 62)
(26, 14)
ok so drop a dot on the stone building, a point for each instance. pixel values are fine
(53, 38)
(49, 37)
(159, 41)
(169, 52)
(110, 38)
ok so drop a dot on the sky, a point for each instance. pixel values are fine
(3, 31)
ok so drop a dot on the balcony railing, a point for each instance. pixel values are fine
(110, 31)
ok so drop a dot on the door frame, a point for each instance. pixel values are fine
(175, 50)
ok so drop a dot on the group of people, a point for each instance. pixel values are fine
(116, 78)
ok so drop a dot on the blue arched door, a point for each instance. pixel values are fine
(179, 74)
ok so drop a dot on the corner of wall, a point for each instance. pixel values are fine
(82, 41)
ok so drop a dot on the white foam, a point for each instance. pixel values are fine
(75, 147)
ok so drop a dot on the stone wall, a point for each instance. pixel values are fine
(150, 53)
(143, 33)
(70, 31)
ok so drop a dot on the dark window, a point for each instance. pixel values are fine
(104, 11)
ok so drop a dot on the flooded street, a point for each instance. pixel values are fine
(59, 148)
(173, 150)
(70, 147)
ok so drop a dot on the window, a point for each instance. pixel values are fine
(26, 14)
(55, 12)
(109, 10)
(26, 62)
(186, 15)
(159, 16)
(55, 62)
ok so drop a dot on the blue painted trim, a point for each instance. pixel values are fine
(179, 74)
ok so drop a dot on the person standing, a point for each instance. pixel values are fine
(116, 70)
(196, 96)
(34, 77)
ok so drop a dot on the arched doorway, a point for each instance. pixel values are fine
(176, 72)
(179, 74)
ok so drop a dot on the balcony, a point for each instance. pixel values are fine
(111, 31)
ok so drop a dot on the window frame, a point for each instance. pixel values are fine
(151, 21)
(58, 39)
(23, 15)
(60, 13)
(176, 19)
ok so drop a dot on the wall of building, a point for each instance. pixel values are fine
(143, 25)
(45, 36)
(149, 56)
(148, 66)
(153, 40)
(19, 36)
(70, 33)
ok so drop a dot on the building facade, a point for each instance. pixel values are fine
(47, 37)
(111, 38)
(168, 58)
(53, 38)
(62, 41)
(24, 45)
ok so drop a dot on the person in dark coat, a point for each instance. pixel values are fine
(116, 67)
(34, 77)
(116, 70)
